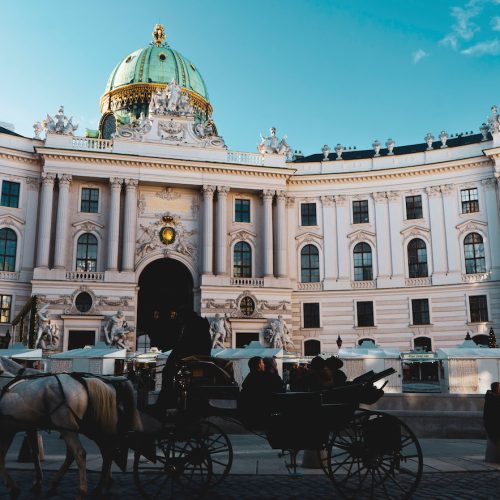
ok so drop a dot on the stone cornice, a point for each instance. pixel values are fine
(391, 173)
(163, 163)
(16, 155)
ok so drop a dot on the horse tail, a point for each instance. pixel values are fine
(132, 419)
(102, 411)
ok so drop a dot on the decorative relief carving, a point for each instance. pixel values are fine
(64, 179)
(227, 304)
(282, 305)
(281, 196)
(393, 196)
(33, 183)
(433, 191)
(448, 189)
(328, 201)
(167, 194)
(113, 301)
(426, 281)
(475, 278)
(222, 191)
(131, 184)
(241, 235)
(267, 194)
(488, 183)
(309, 237)
(71, 309)
(10, 220)
(340, 200)
(290, 201)
(471, 226)
(362, 235)
(115, 182)
(208, 191)
(48, 178)
(380, 196)
(364, 284)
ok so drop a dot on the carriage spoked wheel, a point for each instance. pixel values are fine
(182, 464)
(220, 449)
(375, 456)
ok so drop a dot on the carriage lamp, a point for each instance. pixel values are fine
(339, 342)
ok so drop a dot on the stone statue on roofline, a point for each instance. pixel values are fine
(494, 120)
(60, 124)
(273, 145)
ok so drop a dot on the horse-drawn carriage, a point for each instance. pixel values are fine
(365, 453)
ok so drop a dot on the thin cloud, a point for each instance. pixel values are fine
(495, 23)
(464, 27)
(491, 48)
(418, 55)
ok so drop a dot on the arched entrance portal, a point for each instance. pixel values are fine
(165, 289)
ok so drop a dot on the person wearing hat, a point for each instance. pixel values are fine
(335, 364)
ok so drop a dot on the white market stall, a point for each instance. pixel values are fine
(469, 368)
(369, 356)
(240, 357)
(99, 360)
(23, 355)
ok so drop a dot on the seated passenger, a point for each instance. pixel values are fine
(338, 376)
(318, 377)
(271, 370)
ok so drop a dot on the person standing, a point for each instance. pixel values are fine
(491, 418)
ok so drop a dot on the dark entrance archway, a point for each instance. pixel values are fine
(165, 290)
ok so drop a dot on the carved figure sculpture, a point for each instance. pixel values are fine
(174, 95)
(494, 120)
(218, 332)
(272, 145)
(60, 124)
(184, 107)
(278, 334)
(47, 333)
(116, 330)
(37, 127)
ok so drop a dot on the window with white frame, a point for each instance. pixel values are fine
(90, 200)
(308, 214)
(242, 260)
(475, 261)
(8, 249)
(362, 256)
(5, 308)
(414, 207)
(10, 194)
(86, 253)
(311, 315)
(360, 212)
(364, 313)
(241, 210)
(309, 264)
(470, 200)
(417, 259)
(420, 311)
(478, 307)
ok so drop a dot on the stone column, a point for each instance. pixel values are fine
(114, 223)
(208, 228)
(492, 216)
(29, 237)
(395, 221)
(267, 200)
(129, 224)
(281, 234)
(329, 237)
(221, 230)
(45, 219)
(343, 258)
(449, 201)
(384, 261)
(436, 220)
(62, 221)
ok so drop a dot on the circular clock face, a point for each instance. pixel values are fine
(167, 235)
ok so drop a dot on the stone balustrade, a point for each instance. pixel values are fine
(84, 276)
(475, 278)
(254, 282)
(424, 281)
(9, 275)
(364, 284)
(245, 158)
(309, 287)
(90, 144)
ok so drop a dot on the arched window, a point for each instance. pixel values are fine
(423, 344)
(309, 264)
(242, 260)
(312, 347)
(366, 342)
(363, 262)
(417, 259)
(8, 249)
(481, 340)
(474, 254)
(86, 253)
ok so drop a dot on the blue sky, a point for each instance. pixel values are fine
(337, 71)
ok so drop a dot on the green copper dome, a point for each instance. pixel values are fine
(144, 71)
(157, 65)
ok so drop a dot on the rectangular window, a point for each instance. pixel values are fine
(414, 207)
(308, 214)
(470, 200)
(360, 212)
(241, 210)
(365, 313)
(420, 312)
(478, 308)
(90, 200)
(5, 306)
(311, 315)
(10, 194)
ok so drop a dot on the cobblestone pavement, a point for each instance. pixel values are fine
(448, 485)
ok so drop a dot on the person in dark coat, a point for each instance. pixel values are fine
(193, 339)
(491, 413)
(318, 377)
(335, 364)
(271, 370)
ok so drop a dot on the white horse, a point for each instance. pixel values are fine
(69, 405)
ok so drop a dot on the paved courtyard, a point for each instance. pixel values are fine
(452, 469)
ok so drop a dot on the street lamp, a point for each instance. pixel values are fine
(467, 337)
(339, 342)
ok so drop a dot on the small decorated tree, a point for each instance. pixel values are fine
(492, 340)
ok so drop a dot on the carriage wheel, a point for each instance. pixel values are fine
(363, 467)
(220, 449)
(182, 464)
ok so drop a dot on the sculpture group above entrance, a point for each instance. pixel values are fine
(273, 145)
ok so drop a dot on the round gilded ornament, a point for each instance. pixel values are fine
(167, 235)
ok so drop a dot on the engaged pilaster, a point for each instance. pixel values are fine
(62, 221)
(221, 230)
(114, 223)
(281, 237)
(208, 228)
(267, 200)
(129, 223)
(45, 219)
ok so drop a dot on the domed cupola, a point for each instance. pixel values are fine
(144, 71)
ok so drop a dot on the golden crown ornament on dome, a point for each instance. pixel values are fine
(159, 34)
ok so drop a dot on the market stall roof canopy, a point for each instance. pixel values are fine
(255, 348)
(468, 349)
(20, 351)
(368, 350)
(100, 350)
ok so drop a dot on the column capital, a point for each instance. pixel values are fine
(340, 199)
(380, 196)
(290, 201)
(267, 194)
(115, 182)
(281, 196)
(448, 189)
(33, 183)
(488, 183)
(222, 190)
(207, 190)
(393, 195)
(48, 178)
(327, 201)
(433, 191)
(64, 179)
(131, 184)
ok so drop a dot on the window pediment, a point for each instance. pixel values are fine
(242, 235)
(10, 220)
(361, 235)
(415, 231)
(309, 237)
(471, 226)
(87, 225)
